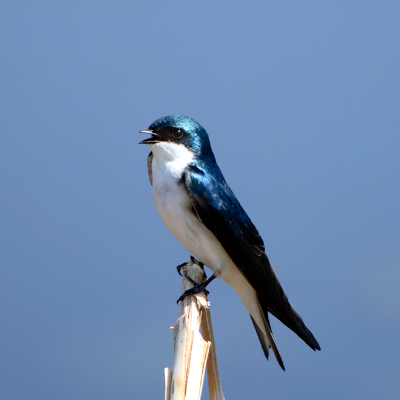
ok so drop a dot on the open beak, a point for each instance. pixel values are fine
(152, 139)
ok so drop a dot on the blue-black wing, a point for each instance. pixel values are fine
(149, 168)
(217, 207)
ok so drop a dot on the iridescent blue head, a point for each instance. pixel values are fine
(180, 130)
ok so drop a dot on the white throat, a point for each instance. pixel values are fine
(171, 157)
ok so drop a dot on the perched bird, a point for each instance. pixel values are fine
(199, 208)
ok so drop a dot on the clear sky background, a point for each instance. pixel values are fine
(301, 100)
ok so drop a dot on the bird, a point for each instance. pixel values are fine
(196, 204)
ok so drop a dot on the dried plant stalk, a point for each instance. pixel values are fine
(193, 351)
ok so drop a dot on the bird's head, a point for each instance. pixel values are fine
(178, 130)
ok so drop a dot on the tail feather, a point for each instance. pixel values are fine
(264, 343)
(267, 340)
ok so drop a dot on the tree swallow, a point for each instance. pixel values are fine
(199, 208)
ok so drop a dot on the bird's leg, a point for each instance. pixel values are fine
(197, 288)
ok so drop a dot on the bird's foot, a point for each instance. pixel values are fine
(197, 288)
(193, 260)
(198, 262)
(179, 267)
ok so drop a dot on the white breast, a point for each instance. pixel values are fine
(175, 208)
(171, 198)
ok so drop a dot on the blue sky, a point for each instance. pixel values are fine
(302, 104)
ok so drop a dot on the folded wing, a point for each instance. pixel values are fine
(217, 207)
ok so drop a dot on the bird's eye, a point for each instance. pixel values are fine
(177, 134)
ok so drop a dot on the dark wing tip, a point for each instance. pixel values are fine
(308, 337)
